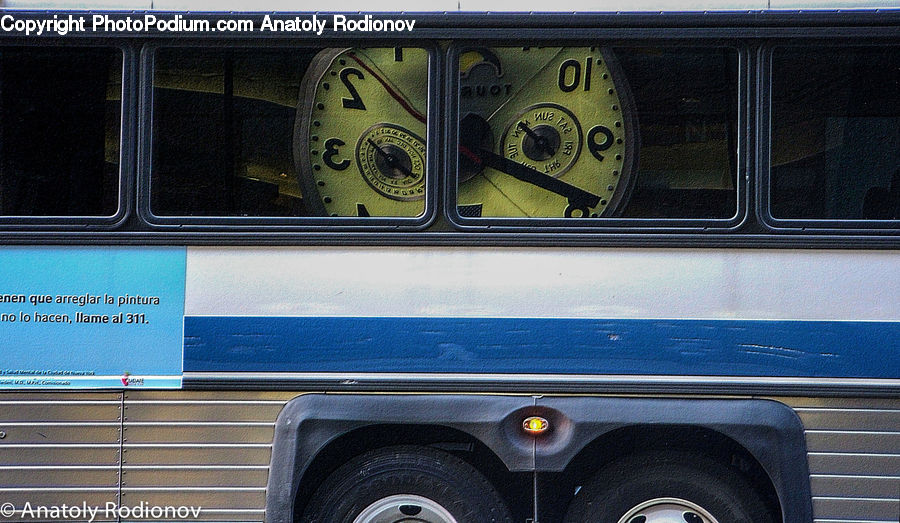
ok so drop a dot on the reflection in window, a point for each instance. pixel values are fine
(60, 118)
(836, 133)
(289, 132)
(585, 132)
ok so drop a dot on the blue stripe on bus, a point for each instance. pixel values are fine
(543, 345)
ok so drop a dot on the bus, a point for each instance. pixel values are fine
(356, 266)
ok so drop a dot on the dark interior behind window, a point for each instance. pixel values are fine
(60, 120)
(223, 123)
(687, 111)
(835, 133)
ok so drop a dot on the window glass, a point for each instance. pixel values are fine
(60, 123)
(587, 132)
(835, 133)
(289, 132)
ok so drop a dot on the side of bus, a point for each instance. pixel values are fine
(712, 337)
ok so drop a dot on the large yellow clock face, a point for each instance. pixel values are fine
(359, 141)
(544, 132)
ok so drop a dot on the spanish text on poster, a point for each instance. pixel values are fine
(91, 317)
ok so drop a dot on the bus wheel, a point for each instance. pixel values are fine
(667, 487)
(406, 484)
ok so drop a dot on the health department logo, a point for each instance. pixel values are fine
(130, 381)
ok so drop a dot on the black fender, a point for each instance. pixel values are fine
(770, 431)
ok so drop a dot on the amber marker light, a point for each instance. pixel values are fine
(535, 425)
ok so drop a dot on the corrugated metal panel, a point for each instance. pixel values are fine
(196, 455)
(194, 396)
(187, 432)
(853, 441)
(857, 486)
(233, 411)
(210, 450)
(53, 410)
(854, 457)
(850, 419)
(60, 448)
(36, 433)
(59, 455)
(205, 497)
(859, 509)
(93, 497)
(17, 477)
(188, 476)
(857, 464)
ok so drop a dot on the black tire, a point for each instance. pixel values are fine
(629, 482)
(407, 470)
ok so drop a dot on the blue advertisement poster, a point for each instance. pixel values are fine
(89, 317)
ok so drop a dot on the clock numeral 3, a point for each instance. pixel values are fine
(331, 150)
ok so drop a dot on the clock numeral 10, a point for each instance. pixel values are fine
(566, 85)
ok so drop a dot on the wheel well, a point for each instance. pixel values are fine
(515, 488)
(557, 489)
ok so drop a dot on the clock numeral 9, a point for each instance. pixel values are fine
(567, 86)
(595, 147)
(331, 149)
(355, 102)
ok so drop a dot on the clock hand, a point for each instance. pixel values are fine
(390, 159)
(395, 93)
(541, 142)
(475, 133)
(579, 199)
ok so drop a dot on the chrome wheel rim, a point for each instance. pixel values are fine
(405, 508)
(668, 510)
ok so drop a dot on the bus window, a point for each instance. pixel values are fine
(60, 122)
(835, 133)
(598, 132)
(289, 132)
(686, 101)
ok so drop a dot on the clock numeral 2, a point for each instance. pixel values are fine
(355, 102)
